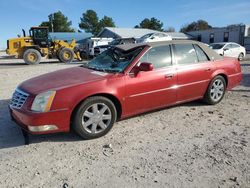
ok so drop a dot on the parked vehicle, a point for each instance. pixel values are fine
(38, 44)
(121, 82)
(119, 41)
(229, 49)
(88, 48)
(100, 49)
(154, 37)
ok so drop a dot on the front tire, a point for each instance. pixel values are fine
(94, 117)
(216, 90)
(32, 57)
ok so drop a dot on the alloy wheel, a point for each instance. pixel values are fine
(96, 118)
(217, 90)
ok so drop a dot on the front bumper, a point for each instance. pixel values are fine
(42, 123)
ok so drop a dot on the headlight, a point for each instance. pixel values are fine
(43, 101)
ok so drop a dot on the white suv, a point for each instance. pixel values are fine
(229, 49)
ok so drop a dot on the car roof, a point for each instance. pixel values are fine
(224, 43)
(125, 38)
(126, 47)
(220, 43)
(211, 53)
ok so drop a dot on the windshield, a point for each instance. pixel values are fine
(216, 46)
(147, 36)
(113, 60)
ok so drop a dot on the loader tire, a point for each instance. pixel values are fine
(57, 54)
(66, 55)
(32, 57)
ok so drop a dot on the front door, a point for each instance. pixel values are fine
(152, 89)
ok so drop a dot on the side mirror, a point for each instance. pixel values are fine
(152, 37)
(144, 66)
(225, 49)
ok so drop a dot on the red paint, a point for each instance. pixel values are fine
(137, 93)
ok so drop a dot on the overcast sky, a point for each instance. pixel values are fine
(18, 14)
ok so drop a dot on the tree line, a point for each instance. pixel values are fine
(91, 23)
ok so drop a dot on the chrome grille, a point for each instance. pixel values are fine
(18, 99)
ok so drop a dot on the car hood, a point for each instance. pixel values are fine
(61, 79)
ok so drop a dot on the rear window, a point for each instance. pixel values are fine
(185, 54)
(234, 46)
(200, 54)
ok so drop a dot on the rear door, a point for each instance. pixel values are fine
(194, 71)
(235, 50)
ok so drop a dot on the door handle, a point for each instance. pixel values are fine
(169, 76)
(207, 69)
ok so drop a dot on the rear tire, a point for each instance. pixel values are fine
(32, 57)
(94, 117)
(84, 55)
(241, 56)
(66, 55)
(215, 91)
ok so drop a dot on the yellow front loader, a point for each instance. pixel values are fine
(38, 45)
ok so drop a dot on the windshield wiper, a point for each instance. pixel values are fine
(112, 70)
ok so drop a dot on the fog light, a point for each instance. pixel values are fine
(42, 128)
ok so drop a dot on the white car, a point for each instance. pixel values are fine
(154, 37)
(229, 49)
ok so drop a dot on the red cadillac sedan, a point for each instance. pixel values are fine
(121, 82)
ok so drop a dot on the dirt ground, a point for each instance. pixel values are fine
(189, 145)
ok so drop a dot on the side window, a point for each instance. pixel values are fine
(229, 46)
(126, 41)
(162, 35)
(159, 56)
(200, 54)
(235, 46)
(131, 41)
(40, 34)
(185, 54)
